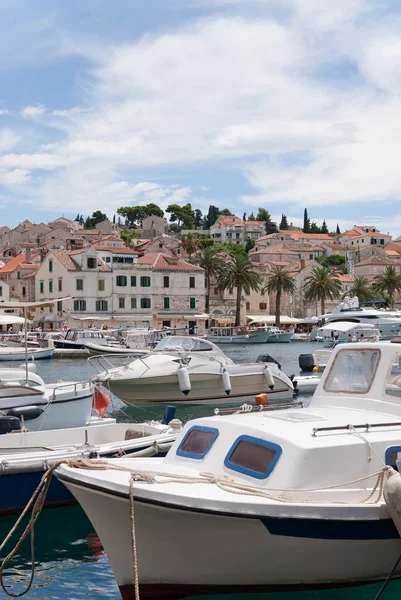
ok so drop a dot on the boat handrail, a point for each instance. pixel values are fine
(350, 428)
(75, 384)
(251, 408)
(104, 363)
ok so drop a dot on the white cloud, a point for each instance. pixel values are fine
(3, 112)
(8, 139)
(33, 111)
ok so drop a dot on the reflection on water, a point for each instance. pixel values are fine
(69, 558)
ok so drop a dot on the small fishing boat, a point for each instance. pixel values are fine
(314, 490)
(276, 335)
(18, 354)
(75, 339)
(237, 335)
(25, 455)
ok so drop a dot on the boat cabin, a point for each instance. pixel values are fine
(85, 335)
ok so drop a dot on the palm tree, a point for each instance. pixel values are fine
(279, 281)
(388, 283)
(362, 289)
(189, 243)
(238, 272)
(209, 259)
(320, 285)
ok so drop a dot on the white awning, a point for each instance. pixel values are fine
(345, 326)
(16, 305)
(271, 319)
(12, 320)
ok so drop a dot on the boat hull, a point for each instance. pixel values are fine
(259, 337)
(19, 354)
(192, 547)
(282, 337)
(205, 388)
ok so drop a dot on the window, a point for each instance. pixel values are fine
(91, 262)
(80, 284)
(18, 274)
(101, 305)
(133, 302)
(262, 306)
(392, 385)
(166, 303)
(352, 371)
(133, 280)
(121, 280)
(253, 456)
(197, 442)
(145, 281)
(248, 305)
(80, 305)
(310, 256)
(59, 306)
(100, 285)
(192, 282)
(192, 303)
(23, 290)
(41, 287)
(145, 302)
(50, 266)
(121, 303)
(60, 285)
(166, 281)
(108, 259)
(50, 285)
(391, 456)
(1, 290)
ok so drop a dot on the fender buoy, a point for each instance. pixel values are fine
(269, 377)
(184, 382)
(262, 399)
(392, 496)
(226, 382)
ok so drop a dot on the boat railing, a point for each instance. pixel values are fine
(106, 362)
(77, 386)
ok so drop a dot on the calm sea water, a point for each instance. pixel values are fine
(70, 561)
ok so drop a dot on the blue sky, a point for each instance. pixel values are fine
(283, 104)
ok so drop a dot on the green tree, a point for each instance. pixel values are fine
(227, 212)
(264, 215)
(130, 234)
(199, 221)
(184, 215)
(251, 217)
(152, 209)
(338, 230)
(211, 217)
(98, 217)
(279, 281)
(322, 285)
(388, 282)
(283, 223)
(133, 215)
(362, 289)
(88, 224)
(244, 217)
(249, 245)
(306, 227)
(114, 219)
(212, 262)
(314, 228)
(323, 228)
(334, 260)
(239, 273)
(189, 243)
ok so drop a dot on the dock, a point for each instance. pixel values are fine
(70, 353)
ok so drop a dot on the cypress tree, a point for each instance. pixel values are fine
(338, 230)
(306, 227)
(324, 227)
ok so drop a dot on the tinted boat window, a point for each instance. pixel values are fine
(197, 442)
(352, 371)
(253, 456)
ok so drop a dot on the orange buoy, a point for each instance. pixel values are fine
(262, 399)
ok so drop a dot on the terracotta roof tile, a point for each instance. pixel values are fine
(64, 257)
(375, 260)
(122, 250)
(371, 234)
(163, 262)
(14, 262)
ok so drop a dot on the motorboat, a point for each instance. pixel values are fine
(25, 455)
(26, 397)
(273, 499)
(276, 335)
(8, 354)
(237, 335)
(190, 370)
(333, 334)
(75, 339)
(387, 322)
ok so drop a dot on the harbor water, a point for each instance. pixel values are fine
(69, 558)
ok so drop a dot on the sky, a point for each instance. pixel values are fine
(281, 104)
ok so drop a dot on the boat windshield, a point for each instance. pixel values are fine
(352, 371)
(185, 344)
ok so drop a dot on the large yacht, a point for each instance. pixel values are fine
(387, 322)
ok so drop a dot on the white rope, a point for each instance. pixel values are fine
(371, 449)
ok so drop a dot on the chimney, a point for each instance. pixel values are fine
(173, 260)
(302, 263)
(27, 254)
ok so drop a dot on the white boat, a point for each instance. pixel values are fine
(237, 335)
(189, 370)
(75, 339)
(276, 335)
(25, 455)
(9, 354)
(275, 499)
(387, 322)
(333, 334)
(25, 396)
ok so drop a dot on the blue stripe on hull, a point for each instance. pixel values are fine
(383, 529)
